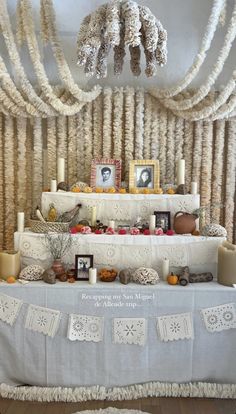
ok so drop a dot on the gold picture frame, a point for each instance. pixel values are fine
(144, 175)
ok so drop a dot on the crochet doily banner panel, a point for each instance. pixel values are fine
(129, 331)
(219, 318)
(85, 328)
(43, 320)
(9, 308)
(175, 327)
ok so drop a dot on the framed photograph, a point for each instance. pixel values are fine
(82, 264)
(106, 173)
(144, 174)
(163, 220)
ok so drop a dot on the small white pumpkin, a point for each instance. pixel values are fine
(32, 272)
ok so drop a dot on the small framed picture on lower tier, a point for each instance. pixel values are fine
(83, 262)
(163, 220)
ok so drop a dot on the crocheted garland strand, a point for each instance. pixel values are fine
(116, 25)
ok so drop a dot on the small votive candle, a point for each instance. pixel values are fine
(21, 221)
(60, 170)
(165, 267)
(152, 223)
(53, 186)
(193, 187)
(92, 276)
(111, 224)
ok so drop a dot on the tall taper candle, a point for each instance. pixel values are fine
(165, 267)
(94, 216)
(60, 170)
(92, 276)
(193, 188)
(152, 223)
(53, 186)
(21, 222)
(181, 172)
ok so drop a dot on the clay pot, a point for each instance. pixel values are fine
(184, 222)
(58, 268)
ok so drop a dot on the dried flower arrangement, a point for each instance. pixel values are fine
(57, 244)
(116, 25)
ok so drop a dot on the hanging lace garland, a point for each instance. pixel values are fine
(116, 25)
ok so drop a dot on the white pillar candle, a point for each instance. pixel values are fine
(9, 263)
(193, 188)
(92, 276)
(227, 264)
(21, 222)
(152, 223)
(53, 186)
(181, 172)
(94, 216)
(60, 170)
(165, 267)
(111, 224)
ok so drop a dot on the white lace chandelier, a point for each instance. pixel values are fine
(116, 25)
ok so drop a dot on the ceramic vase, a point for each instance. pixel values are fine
(58, 268)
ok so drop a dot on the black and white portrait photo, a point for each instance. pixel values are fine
(82, 266)
(105, 173)
(144, 176)
(105, 176)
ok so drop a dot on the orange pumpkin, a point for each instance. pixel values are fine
(122, 190)
(76, 189)
(146, 191)
(11, 279)
(79, 227)
(172, 279)
(88, 189)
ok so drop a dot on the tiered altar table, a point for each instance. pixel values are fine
(32, 358)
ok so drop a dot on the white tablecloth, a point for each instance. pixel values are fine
(199, 253)
(120, 207)
(28, 357)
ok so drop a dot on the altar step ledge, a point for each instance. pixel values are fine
(123, 251)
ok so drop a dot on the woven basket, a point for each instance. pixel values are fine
(38, 226)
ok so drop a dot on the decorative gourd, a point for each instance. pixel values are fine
(172, 279)
(52, 213)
